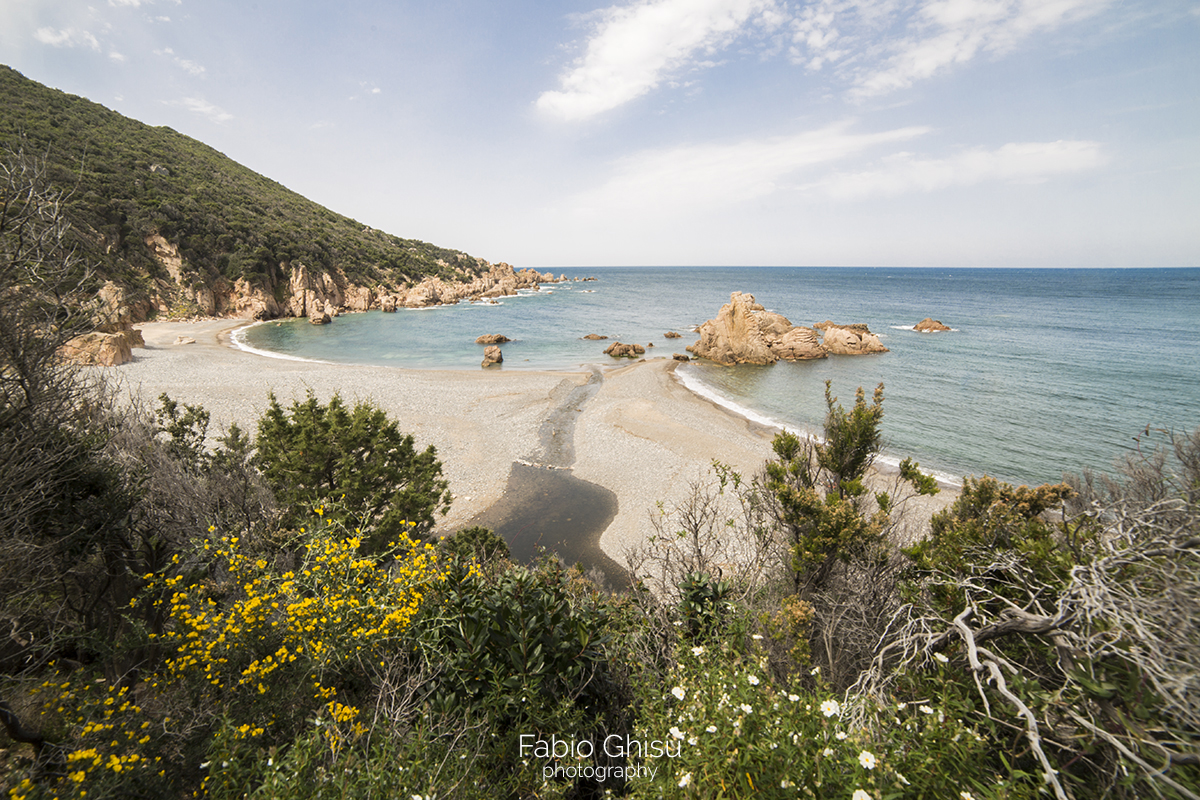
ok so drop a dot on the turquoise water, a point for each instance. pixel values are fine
(1046, 371)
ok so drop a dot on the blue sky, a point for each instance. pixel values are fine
(680, 132)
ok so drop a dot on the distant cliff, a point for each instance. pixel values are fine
(176, 228)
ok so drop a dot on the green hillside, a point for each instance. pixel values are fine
(128, 181)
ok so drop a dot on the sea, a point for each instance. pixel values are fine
(1045, 371)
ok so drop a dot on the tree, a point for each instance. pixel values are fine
(355, 459)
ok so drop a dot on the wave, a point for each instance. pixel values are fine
(910, 328)
(238, 338)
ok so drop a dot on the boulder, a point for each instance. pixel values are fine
(319, 318)
(492, 338)
(672, 335)
(930, 325)
(744, 332)
(98, 349)
(387, 304)
(491, 355)
(680, 357)
(595, 337)
(618, 350)
(851, 340)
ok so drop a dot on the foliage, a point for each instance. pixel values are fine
(317, 453)
(131, 181)
(474, 543)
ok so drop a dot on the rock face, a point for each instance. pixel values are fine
(743, 332)
(99, 349)
(492, 338)
(850, 340)
(491, 355)
(930, 325)
(618, 350)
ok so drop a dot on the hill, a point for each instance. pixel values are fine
(181, 228)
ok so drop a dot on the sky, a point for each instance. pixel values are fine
(1016, 133)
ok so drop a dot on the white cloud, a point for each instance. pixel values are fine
(191, 67)
(710, 175)
(204, 108)
(1016, 162)
(115, 56)
(69, 37)
(635, 47)
(888, 45)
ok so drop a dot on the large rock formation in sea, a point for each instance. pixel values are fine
(744, 332)
(619, 350)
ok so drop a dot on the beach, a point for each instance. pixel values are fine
(633, 428)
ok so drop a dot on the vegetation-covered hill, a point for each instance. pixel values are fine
(128, 181)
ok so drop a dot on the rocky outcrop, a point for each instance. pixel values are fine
(491, 355)
(387, 304)
(595, 337)
(492, 338)
(98, 349)
(930, 325)
(319, 318)
(680, 357)
(744, 332)
(850, 340)
(672, 335)
(618, 350)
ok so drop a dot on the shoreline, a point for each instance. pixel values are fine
(641, 434)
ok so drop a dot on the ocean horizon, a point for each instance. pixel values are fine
(1046, 371)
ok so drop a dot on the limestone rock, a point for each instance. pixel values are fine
(930, 325)
(491, 355)
(492, 338)
(98, 349)
(618, 350)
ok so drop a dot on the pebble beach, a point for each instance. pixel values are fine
(639, 433)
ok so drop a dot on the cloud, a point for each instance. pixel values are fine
(634, 48)
(710, 175)
(191, 67)
(115, 56)
(69, 37)
(1016, 162)
(204, 109)
(887, 45)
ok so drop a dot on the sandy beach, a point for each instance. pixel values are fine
(634, 429)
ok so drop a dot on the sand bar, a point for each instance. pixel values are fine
(640, 434)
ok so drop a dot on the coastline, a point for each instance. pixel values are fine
(640, 434)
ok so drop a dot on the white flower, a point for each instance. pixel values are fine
(693, 740)
(827, 752)
(678, 692)
(901, 706)
(815, 671)
(698, 650)
(749, 709)
(942, 658)
(678, 734)
(830, 708)
(711, 729)
(686, 780)
(794, 697)
(966, 796)
(786, 784)
(867, 759)
(859, 794)
(757, 637)
(840, 735)
(926, 710)
(752, 679)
